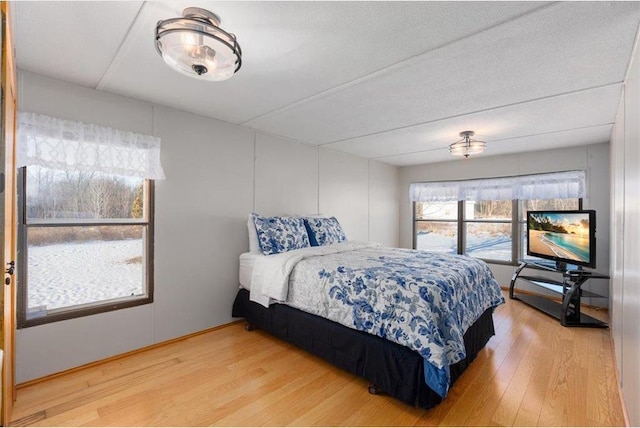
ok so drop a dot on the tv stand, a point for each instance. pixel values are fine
(569, 289)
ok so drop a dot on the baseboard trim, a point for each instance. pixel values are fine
(627, 422)
(123, 355)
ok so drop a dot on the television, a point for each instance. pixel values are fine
(566, 237)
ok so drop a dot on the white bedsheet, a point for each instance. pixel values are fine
(270, 276)
(247, 260)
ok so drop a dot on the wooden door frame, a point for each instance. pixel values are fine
(9, 110)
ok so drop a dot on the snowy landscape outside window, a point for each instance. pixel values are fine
(85, 241)
(86, 244)
(436, 226)
(488, 230)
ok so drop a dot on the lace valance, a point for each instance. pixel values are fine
(557, 185)
(76, 146)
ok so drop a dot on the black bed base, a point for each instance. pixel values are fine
(393, 368)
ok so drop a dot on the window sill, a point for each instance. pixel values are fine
(94, 309)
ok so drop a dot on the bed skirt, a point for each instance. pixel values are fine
(395, 369)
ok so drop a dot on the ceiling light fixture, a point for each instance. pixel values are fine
(467, 146)
(195, 45)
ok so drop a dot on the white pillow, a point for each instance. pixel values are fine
(254, 244)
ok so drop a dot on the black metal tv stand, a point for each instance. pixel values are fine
(570, 288)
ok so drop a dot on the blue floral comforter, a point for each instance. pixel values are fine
(423, 300)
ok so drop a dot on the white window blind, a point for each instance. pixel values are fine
(76, 146)
(557, 185)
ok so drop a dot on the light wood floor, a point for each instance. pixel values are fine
(533, 372)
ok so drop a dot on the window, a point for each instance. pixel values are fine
(436, 226)
(86, 244)
(485, 218)
(86, 206)
(488, 230)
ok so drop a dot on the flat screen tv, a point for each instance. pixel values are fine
(566, 237)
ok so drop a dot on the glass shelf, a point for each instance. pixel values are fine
(569, 288)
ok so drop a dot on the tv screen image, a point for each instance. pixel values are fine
(562, 236)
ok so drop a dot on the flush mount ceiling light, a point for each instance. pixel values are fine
(467, 146)
(195, 45)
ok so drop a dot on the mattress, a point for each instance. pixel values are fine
(247, 261)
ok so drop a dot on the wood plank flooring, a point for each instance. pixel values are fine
(534, 372)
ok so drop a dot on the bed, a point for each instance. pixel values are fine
(408, 321)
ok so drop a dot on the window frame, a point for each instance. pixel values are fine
(440, 220)
(86, 309)
(516, 235)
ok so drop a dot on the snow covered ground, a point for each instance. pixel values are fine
(68, 274)
(485, 247)
(436, 242)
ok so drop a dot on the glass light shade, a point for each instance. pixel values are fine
(467, 147)
(196, 47)
(217, 59)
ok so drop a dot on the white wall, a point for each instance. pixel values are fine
(344, 190)
(383, 187)
(199, 227)
(286, 177)
(594, 159)
(217, 173)
(625, 230)
(617, 233)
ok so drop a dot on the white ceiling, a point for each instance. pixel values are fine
(393, 81)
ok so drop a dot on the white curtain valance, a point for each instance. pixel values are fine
(557, 185)
(75, 146)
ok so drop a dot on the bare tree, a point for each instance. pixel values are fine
(64, 194)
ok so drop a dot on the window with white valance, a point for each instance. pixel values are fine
(86, 218)
(557, 185)
(81, 147)
(485, 218)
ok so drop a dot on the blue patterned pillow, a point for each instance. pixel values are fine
(324, 231)
(280, 234)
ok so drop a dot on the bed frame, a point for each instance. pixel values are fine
(389, 367)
